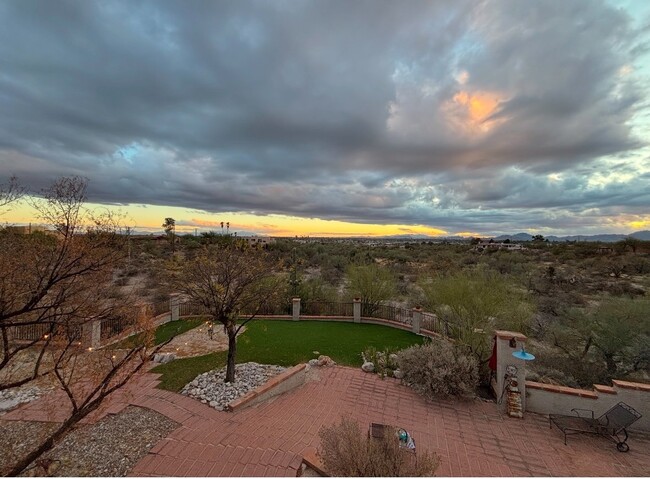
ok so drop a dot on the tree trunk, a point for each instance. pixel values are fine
(611, 364)
(232, 352)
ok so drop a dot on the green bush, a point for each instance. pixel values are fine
(383, 361)
(439, 368)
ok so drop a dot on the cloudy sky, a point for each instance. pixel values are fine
(335, 117)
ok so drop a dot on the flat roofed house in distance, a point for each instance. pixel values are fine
(258, 240)
(483, 245)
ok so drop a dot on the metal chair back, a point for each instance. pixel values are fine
(619, 417)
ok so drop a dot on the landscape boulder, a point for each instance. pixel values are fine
(163, 357)
(368, 367)
(325, 361)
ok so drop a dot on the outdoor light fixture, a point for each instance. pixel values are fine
(523, 355)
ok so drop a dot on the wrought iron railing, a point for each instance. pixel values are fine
(429, 321)
(161, 307)
(389, 313)
(191, 308)
(115, 325)
(29, 332)
(326, 308)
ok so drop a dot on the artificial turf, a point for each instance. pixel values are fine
(287, 343)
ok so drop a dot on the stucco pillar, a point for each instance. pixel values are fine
(175, 306)
(296, 309)
(92, 333)
(417, 319)
(507, 343)
(356, 309)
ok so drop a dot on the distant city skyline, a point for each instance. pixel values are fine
(335, 118)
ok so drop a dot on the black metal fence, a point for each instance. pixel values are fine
(161, 307)
(389, 313)
(29, 332)
(191, 308)
(38, 331)
(429, 321)
(115, 325)
(326, 308)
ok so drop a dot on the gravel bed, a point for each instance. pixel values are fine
(108, 448)
(209, 387)
(18, 438)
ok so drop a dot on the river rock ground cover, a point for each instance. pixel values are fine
(210, 388)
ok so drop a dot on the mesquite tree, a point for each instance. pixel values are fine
(53, 284)
(54, 278)
(231, 282)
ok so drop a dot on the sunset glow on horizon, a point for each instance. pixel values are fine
(446, 118)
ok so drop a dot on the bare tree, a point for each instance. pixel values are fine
(53, 285)
(230, 281)
(89, 377)
(10, 192)
(55, 278)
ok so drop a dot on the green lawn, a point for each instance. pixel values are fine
(291, 342)
(163, 333)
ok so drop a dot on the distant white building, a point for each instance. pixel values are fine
(257, 240)
(483, 245)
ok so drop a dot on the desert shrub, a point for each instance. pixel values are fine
(346, 451)
(439, 368)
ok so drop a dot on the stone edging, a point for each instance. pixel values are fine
(630, 385)
(311, 459)
(552, 388)
(266, 390)
(585, 393)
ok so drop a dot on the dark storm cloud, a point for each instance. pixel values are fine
(361, 111)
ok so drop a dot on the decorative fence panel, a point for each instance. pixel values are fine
(29, 332)
(161, 307)
(113, 326)
(190, 308)
(271, 310)
(326, 308)
(390, 313)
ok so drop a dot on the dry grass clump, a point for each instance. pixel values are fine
(346, 451)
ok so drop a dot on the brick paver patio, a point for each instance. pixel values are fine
(268, 439)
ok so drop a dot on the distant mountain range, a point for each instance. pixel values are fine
(605, 238)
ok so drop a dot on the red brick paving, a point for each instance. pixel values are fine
(269, 439)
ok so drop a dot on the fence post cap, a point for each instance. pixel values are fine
(356, 299)
(295, 299)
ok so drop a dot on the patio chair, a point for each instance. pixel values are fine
(378, 431)
(612, 424)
